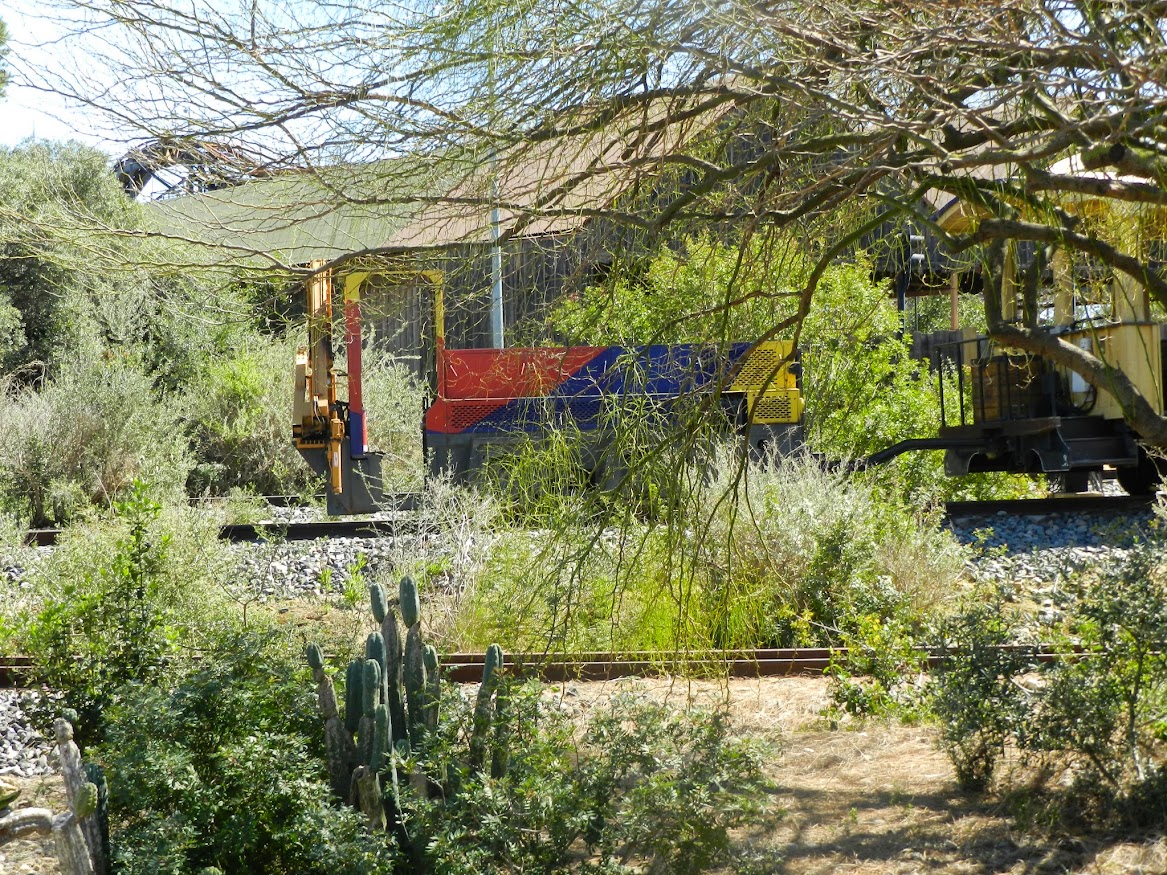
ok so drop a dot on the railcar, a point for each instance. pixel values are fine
(486, 401)
(489, 399)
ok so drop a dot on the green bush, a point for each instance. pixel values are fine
(639, 788)
(394, 403)
(119, 599)
(793, 555)
(743, 556)
(863, 391)
(974, 694)
(218, 770)
(1096, 717)
(83, 438)
(240, 422)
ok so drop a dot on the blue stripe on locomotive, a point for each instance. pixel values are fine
(660, 373)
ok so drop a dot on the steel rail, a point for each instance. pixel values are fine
(407, 503)
(770, 662)
(1086, 503)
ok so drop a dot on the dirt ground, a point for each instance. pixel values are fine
(879, 799)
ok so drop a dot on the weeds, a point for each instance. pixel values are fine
(83, 438)
(747, 555)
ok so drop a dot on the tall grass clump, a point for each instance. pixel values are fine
(794, 555)
(240, 421)
(122, 598)
(81, 439)
(737, 555)
(394, 403)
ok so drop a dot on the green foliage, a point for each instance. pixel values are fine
(648, 789)
(687, 296)
(1097, 717)
(796, 556)
(974, 694)
(217, 771)
(127, 595)
(877, 676)
(65, 302)
(863, 391)
(239, 422)
(501, 783)
(394, 400)
(83, 438)
(111, 626)
(3, 57)
(746, 556)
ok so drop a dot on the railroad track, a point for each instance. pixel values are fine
(467, 667)
(406, 504)
(1092, 503)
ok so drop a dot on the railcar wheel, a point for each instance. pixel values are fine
(1145, 478)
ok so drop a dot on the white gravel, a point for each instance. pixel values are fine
(24, 752)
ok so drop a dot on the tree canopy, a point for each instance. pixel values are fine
(1038, 118)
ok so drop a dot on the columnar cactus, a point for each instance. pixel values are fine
(338, 740)
(392, 706)
(484, 706)
(391, 636)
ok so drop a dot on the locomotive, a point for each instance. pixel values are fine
(486, 401)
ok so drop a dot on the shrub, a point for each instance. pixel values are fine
(240, 423)
(796, 556)
(974, 693)
(118, 599)
(863, 390)
(83, 438)
(1095, 716)
(647, 789)
(218, 770)
(394, 402)
(751, 556)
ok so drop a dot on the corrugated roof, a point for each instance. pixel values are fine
(300, 217)
(552, 186)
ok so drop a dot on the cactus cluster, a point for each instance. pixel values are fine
(392, 703)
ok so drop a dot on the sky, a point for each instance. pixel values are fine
(25, 112)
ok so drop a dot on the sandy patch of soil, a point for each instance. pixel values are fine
(35, 855)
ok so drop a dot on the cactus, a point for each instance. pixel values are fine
(391, 635)
(96, 776)
(77, 831)
(378, 602)
(410, 602)
(392, 705)
(379, 756)
(375, 650)
(483, 706)
(433, 687)
(352, 695)
(315, 656)
(415, 684)
(500, 754)
(370, 698)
